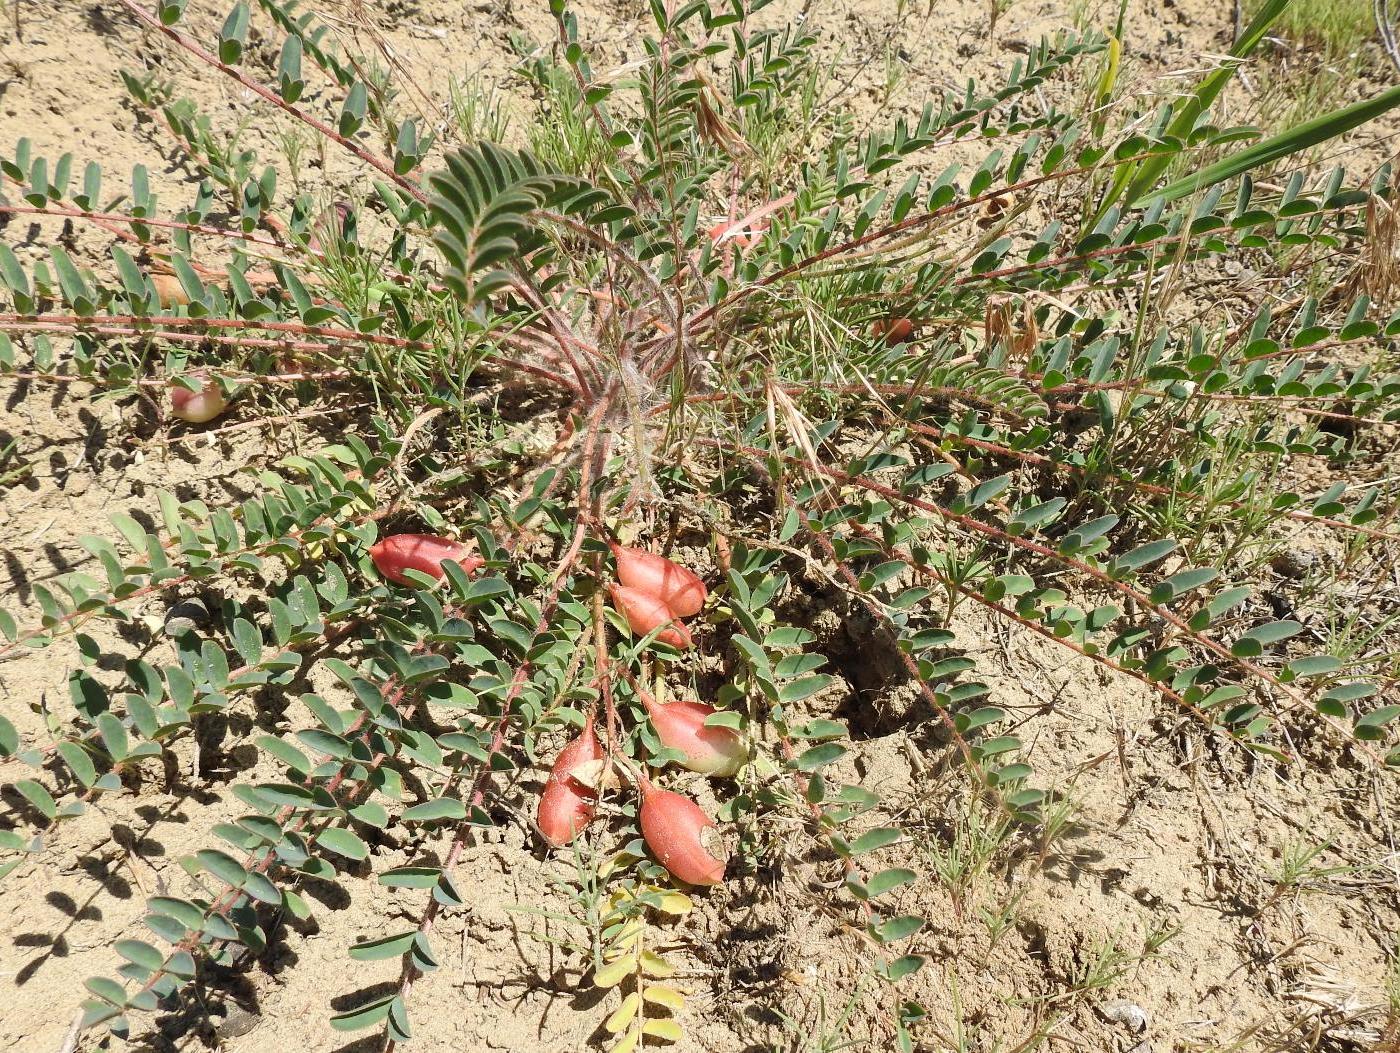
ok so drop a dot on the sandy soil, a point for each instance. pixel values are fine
(1169, 841)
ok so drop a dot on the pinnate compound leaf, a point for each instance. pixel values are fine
(482, 203)
(1295, 140)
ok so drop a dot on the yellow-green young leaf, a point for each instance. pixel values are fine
(666, 1030)
(621, 895)
(623, 1015)
(665, 996)
(676, 903)
(1136, 177)
(613, 973)
(655, 965)
(627, 1043)
(629, 934)
(1104, 90)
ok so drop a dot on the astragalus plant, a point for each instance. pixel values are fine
(700, 319)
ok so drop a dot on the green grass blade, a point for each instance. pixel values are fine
(1309, 133)
(1138, 176)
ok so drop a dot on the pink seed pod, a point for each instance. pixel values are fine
(328, 226)
(425, 553)
(893, 330)
(169, 291)
(681, 836)
(198, 407)
(708, 750)
(645, 613)
(661, 579)
(567, 805)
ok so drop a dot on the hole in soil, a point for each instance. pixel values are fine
(882, 699)
(879, 699)
(752, 955)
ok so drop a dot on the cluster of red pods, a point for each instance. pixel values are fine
(651, 592)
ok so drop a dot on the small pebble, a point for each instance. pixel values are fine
(1294, 562)
(1130, 1015)
(237, 1022)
